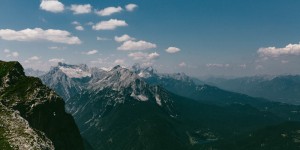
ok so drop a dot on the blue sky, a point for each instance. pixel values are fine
(207, 37)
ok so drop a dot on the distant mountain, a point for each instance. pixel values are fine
(124, 109)
(33, 73)
(278, 88)
(185, 86)
(32, 115)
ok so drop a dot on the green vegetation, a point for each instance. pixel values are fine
(5, 67)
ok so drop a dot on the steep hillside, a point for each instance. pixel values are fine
(28, 100)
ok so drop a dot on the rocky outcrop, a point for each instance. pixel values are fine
(40, 106)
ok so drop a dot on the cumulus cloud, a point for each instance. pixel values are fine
(217, 65)
(108, 11)
(15, 54)
(6, 51)
(75, 23)
(182, 64)
(144, 56)
(57, 36)
(56, 60)
(91, 52)
(109, 25)
(290, 49)
(136, 45)
(79, 28)
(81, 9)
(131, 7)
(119, 61)
(123, 38)
(152, 56)
(34, 58)
(9, 53)
(52, 6)
(172, 50)
(56, 48)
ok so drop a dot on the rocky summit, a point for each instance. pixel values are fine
(32, 115)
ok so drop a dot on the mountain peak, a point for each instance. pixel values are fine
(12, 66)
(74, 71)
(144, 72)
(116, 67)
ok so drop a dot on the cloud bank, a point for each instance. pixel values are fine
(290, 49)
(52, 35)
(136, 45)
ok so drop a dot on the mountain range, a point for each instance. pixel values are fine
(138, 108)
(284, 88)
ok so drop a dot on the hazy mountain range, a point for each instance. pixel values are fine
(135, 108)
(285, 88)
(138, 108)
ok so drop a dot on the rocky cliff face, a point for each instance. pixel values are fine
(41, 107)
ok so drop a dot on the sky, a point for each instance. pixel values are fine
(198, 37)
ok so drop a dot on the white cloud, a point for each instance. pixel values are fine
(75, 23)
(34, 58)
(182, 64)
(108, 11)
(15, 54)
(57, 36)
(9, 53)
(136, 45)
(109, 25)
(79, 28)
(217, 65)
(91, 52)
(123, 38)
(172, 50)
(56, 60)
(290, 49)
(101, 38)
(52, 6)
(6, 51)
(131, 7)
(56, 48)
(152, 56)
(119, 61)
(81, 9)
(144, 56)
